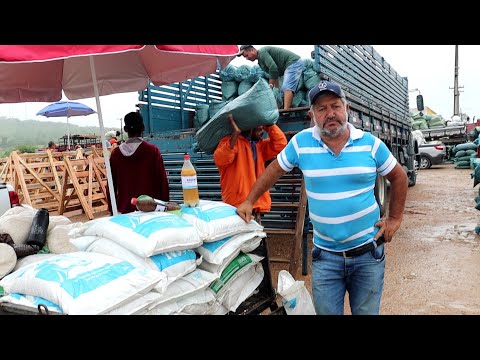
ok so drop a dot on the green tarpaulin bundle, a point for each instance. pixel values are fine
(242, 73)
(300, 99)
(256, 107)
(229, 90)
(476, 177)
(214, 107)
(256, 73)
(201, 115)
(228, 74)
(244, 86)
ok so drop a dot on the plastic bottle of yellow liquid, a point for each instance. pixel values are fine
(189, 183)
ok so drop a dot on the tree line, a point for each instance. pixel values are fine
(28, 135)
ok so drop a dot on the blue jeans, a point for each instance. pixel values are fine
(362, 276)
(292, 76)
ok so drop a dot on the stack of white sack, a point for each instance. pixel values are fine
(237, 283)
(196, 294)
(154, 240)
(218, 254)
(223, 232)
(186, 291)
(226, 237)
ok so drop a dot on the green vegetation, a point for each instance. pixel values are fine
(20, 148)
(33, 134)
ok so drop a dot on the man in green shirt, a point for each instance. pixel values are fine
(275, 62)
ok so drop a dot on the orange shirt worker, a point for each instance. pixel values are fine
(240, 158)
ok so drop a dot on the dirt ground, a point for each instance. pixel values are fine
(433, 262)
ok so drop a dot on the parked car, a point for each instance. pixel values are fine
(432, 153)
(8, 197)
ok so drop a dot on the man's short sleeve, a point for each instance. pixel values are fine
(288, 157)
(383, 157)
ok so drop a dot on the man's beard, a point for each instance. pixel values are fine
(335, 132)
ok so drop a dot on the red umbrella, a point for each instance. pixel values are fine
(39, 73)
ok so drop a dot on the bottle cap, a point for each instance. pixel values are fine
(186, 157)
(134, 201)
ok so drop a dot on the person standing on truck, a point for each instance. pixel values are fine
(240, 158)
(137, 167)
(275, 62)
(340, 164)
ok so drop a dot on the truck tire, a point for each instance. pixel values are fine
(381, 193)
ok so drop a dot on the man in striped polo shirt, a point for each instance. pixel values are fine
(340, 164)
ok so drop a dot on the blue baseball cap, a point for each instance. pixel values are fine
(323, 86)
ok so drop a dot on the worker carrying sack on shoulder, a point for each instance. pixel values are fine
(296, 298)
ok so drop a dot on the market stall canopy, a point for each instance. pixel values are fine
(39, 73)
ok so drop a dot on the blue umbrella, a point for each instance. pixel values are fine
(66, 108)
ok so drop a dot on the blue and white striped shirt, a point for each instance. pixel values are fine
(340, 189)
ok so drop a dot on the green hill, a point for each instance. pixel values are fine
(16, 132)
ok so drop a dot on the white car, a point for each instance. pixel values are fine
(8, 197)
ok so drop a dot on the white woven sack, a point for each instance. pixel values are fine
(30, 303)
(215, 220)
(146, 233)
(217, 251)
(30, 259)
(242, 287)
(17, 222)
(177, 306)
(67, 280)
(82, 242)
(137, 306)
(225, 289)
(8, 259)
(183, 287)
(174, 264)
(219, 268)
(213, 307)
(58, 240)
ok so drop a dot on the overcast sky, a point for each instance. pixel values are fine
(429, 68)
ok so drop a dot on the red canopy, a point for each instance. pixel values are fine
(41, 72)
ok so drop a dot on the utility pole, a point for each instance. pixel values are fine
(456, 91)
(121, 129)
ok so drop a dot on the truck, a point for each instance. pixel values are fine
(378, 98)
(449, 135)
(377, 95)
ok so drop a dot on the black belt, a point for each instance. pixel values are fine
(360, 250)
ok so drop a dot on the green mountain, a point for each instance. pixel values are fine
(16, 132)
